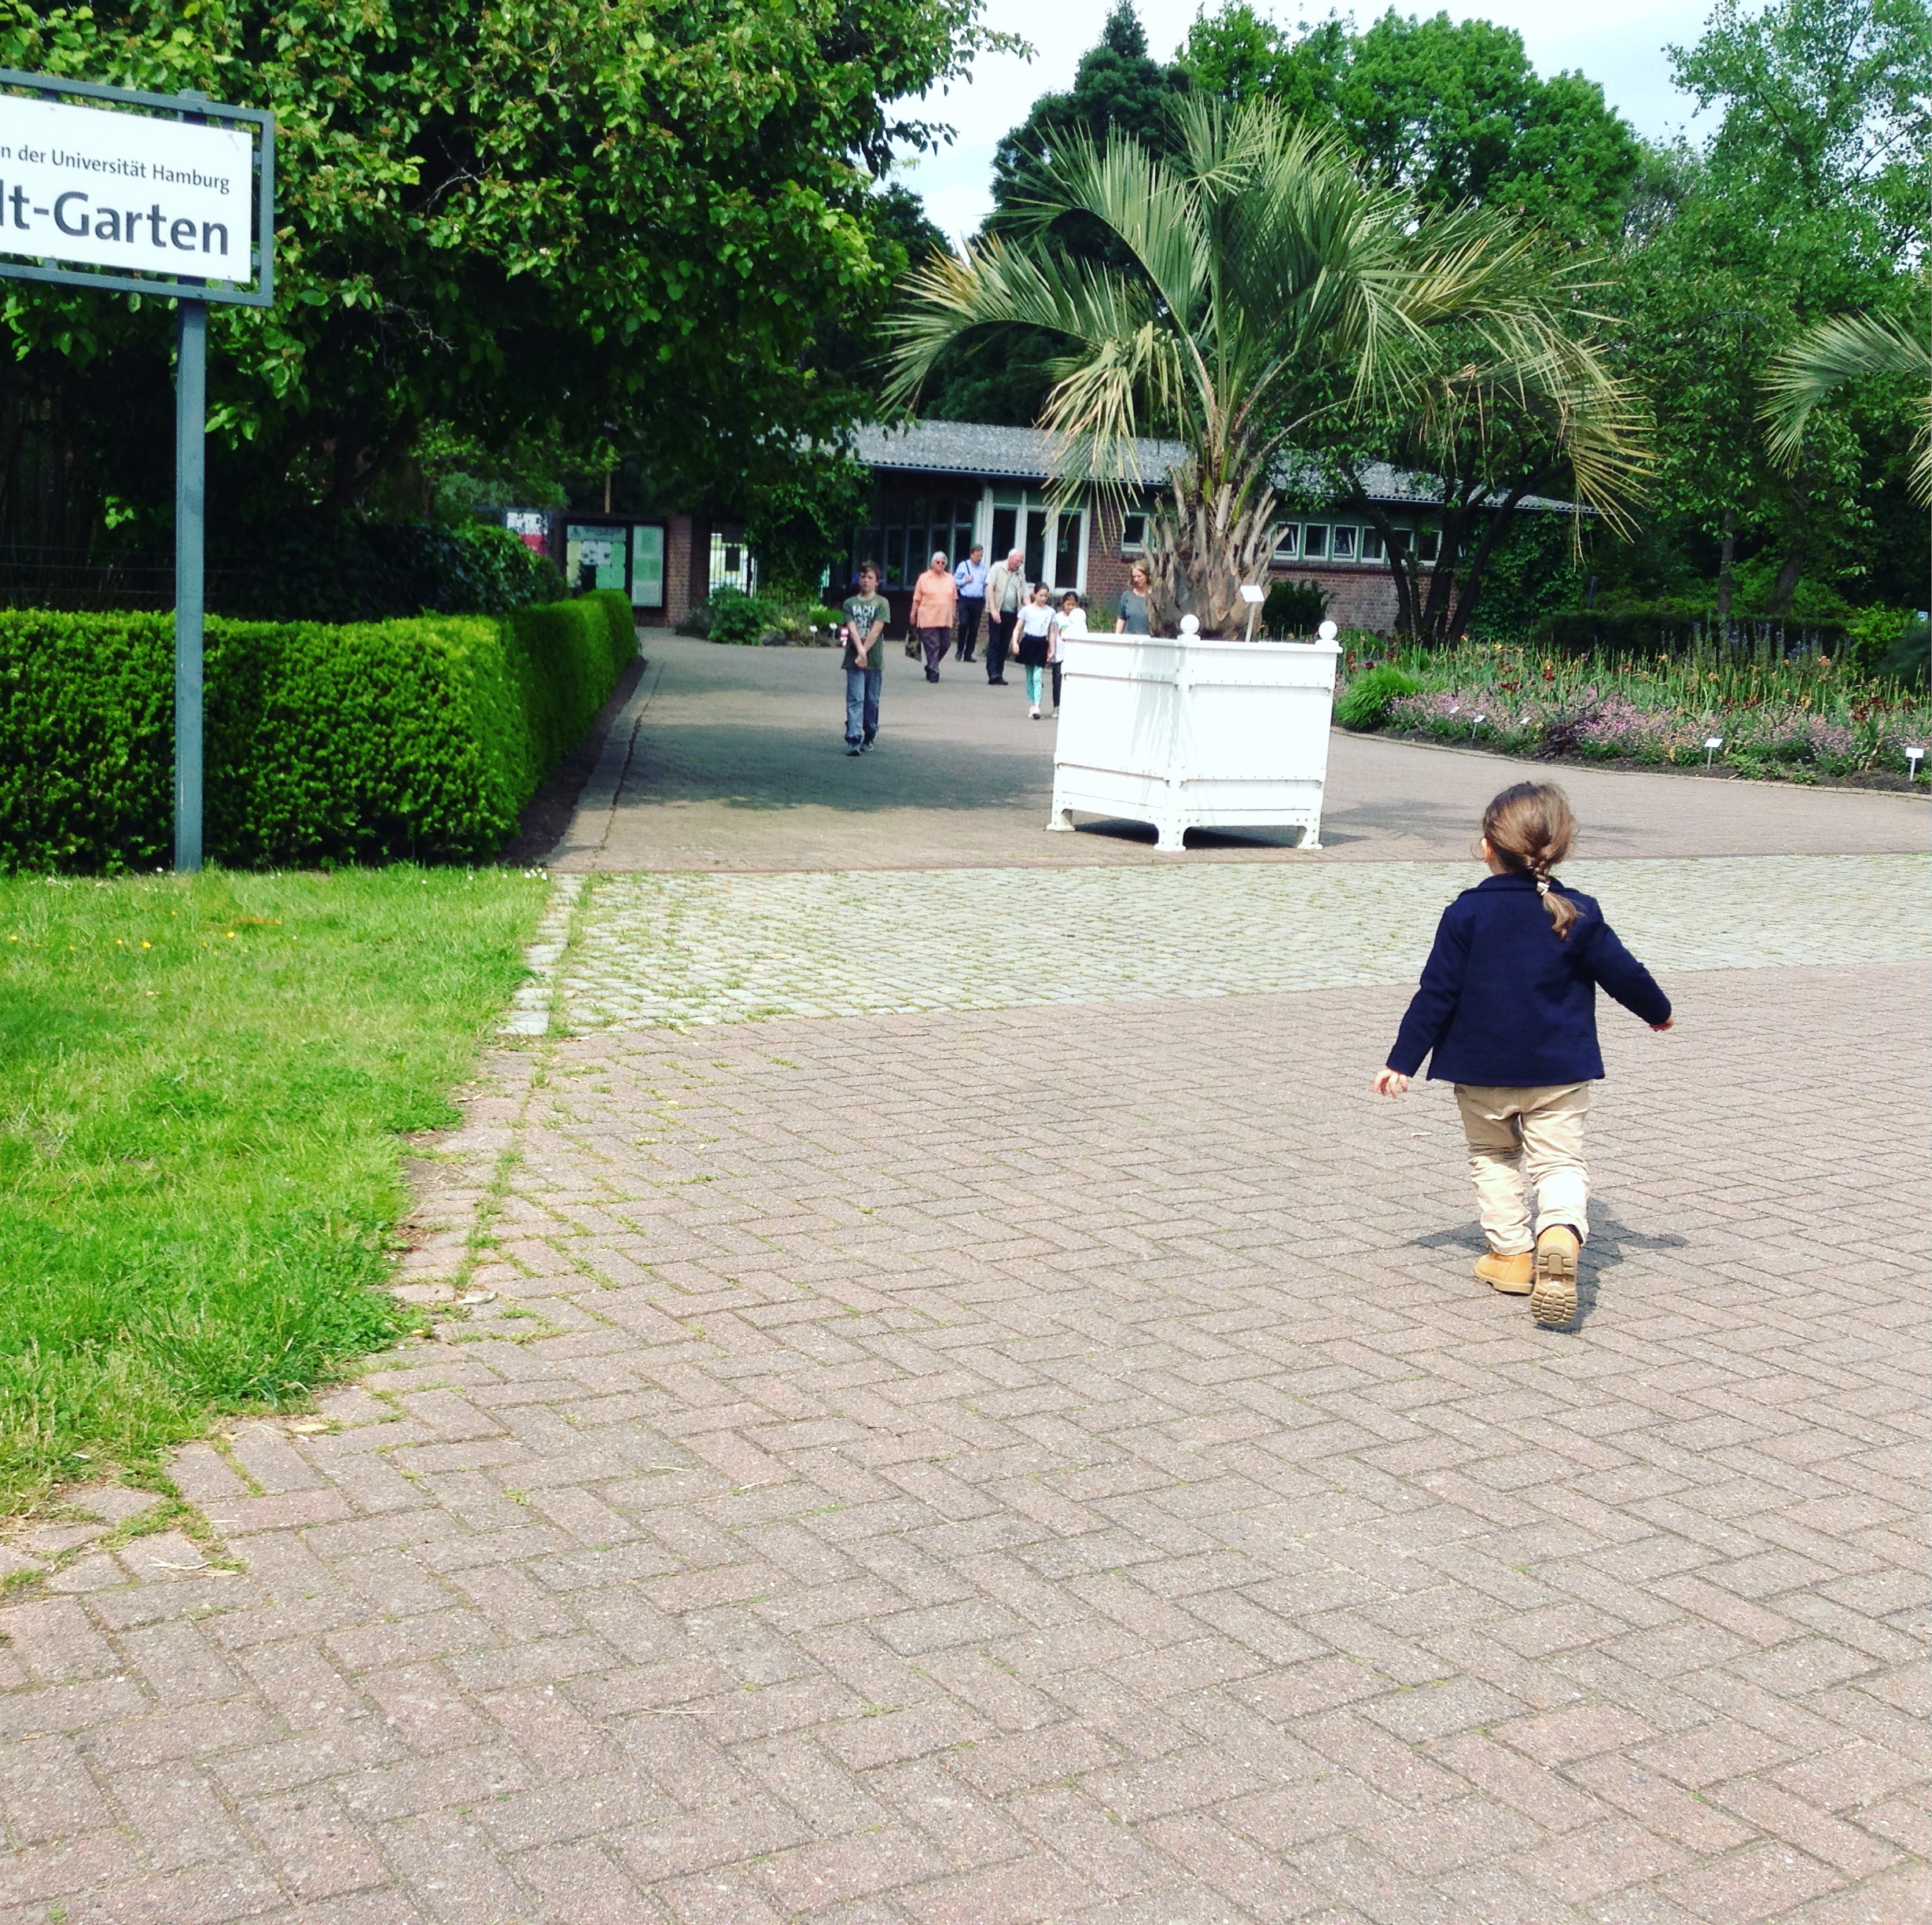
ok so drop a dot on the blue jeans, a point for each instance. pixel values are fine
(862, 703)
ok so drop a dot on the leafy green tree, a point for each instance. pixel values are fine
(1003, 377)
(1809, 202)
(631, 218)
(1118, 86)
(1266, 276)
(1448, 111)
(1450, 114)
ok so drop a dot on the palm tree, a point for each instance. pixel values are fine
(1261, 283)
(1809, 370)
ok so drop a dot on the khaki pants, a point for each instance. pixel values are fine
(1536, 1131)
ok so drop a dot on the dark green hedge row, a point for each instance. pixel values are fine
(423, 737)
(1667, 628)
(365, 571)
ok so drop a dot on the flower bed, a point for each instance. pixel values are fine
(1799, 719)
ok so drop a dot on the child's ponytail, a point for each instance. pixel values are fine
(1529, 829)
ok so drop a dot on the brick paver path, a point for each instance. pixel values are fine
(1040, 1456)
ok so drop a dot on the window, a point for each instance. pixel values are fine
(1133, 534)
(908, 530)
(1288, 541)
(1054, 541)
(731, 564)
(1428, 543)
(1341, 548)
(1314, 541)
(1371, 544)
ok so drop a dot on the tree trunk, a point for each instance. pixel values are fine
(1395, 554)
(1201, 550)
(1793, 564)
(1726, 555)
(1434, 622)
(1470, 586)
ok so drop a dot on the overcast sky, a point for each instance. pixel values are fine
(1619, 43)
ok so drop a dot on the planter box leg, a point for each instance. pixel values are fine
(1059, 819)
(1170, 836)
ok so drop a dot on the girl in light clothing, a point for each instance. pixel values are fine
(1507, 1011)
(1072, 627)
(1035, 642)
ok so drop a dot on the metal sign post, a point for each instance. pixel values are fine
(73, 179)
(190, 528)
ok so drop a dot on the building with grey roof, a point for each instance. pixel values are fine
(943, 486)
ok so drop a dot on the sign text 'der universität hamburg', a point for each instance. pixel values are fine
(125, 190)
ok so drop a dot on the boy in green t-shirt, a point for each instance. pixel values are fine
(867, 614)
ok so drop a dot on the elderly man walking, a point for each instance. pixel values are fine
(970, 577)
(935, 608)
(1006, 595)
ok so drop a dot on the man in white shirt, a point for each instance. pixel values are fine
(1006, 594)
(970, 576)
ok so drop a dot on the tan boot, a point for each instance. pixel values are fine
(1513, 1274)
(1553, 1299)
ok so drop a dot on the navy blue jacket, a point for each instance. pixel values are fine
(1502, 1001)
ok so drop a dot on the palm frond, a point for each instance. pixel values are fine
(1148, 208)
(1809, 371)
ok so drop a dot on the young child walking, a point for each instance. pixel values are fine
(1507, 1011)
(1036, 641)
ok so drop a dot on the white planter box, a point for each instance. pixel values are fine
(1194, 735)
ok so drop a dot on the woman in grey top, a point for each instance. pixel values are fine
(1136, 603)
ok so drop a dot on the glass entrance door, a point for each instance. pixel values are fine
(1036, 520)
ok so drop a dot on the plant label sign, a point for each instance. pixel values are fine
(125, 191)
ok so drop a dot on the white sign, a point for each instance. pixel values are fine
(125, 191)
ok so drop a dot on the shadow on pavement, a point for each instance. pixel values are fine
(1610, 1237)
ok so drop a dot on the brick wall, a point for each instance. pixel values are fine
(680, 569)
(1361, 597)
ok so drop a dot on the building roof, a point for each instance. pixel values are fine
(983, 449)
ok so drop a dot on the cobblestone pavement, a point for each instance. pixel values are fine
(682, 948)
(1052, 1464)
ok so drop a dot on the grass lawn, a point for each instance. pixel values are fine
(203, 1082)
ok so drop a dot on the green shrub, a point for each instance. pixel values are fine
(1364, 704)
(1293, 609)
(738, 620)
(1909, 659)
(363, 572)
(363, 742)
(1872, 634)
(802, 625)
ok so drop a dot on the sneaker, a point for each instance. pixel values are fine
(1514, 1275)
(854, 748)
(1553, 1297)
(1034, 713)
(864, 746)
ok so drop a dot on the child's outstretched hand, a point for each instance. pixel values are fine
(1390, 1082)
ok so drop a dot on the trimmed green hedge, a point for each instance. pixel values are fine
(378, 571)
(420, 738)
